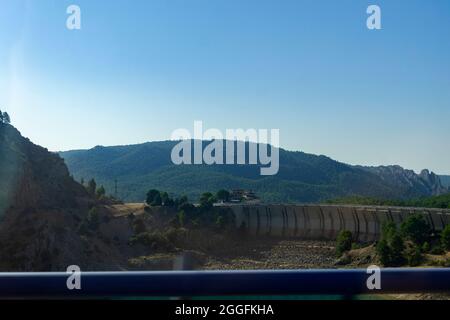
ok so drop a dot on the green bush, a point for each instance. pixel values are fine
(388, 230)
(157, 201)
(181, 218)
(154, 198)
(176, 235)
(416, 229)
(343, 242)
(384, 252)
(100, 192)
(91, 187)
(223, 195)
(436, 250)
(446, 263)
(154, 240)
(445, 237)
(90, 223)
(207, 200)
(93, 218)
(391, 246)
(426, 247)
(139, 226)
(220, 222)
(414, 256)
(397, 246)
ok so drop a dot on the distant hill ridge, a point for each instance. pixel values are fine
(302, 177)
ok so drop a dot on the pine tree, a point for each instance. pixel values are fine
(92, 186)
(6, 118)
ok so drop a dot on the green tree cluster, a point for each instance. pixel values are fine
(207, 200)
(223, 195)
(160, 198)
(343, 242)
(445, 238)
(92, 189)
(396, 247)
(204, 214)
(441, 201)
(416, 229)
(91, 222)
(391, 245)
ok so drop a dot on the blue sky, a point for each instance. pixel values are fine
(137, 70)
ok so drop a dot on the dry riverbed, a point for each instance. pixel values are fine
(273, 254)
(249, 254)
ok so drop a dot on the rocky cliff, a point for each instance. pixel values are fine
(41, 207)
(408, 182)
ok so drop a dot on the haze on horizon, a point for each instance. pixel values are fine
(137, 71)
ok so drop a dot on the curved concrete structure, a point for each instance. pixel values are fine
(326, 221)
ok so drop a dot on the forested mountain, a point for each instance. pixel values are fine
(302, 177)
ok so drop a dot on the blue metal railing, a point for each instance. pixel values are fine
(220, 283)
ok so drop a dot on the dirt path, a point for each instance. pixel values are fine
(119, 210)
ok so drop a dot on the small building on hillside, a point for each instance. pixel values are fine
(241, 195)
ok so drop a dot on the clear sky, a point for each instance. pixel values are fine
(137, 70)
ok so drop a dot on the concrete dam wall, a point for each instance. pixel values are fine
(326, 221)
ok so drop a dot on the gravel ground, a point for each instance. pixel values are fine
(273, 254)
